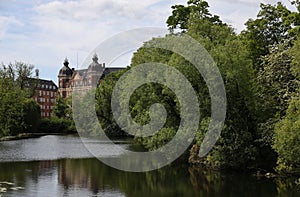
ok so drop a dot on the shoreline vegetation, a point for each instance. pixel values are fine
(260, 68)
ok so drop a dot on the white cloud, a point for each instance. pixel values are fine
(94, 9)
(60, 28)
(56, 29)
(81, 25)
(5, 22)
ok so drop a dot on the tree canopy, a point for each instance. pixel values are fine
(18, 113)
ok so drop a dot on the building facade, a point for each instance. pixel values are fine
(45, 95)
(83, 80)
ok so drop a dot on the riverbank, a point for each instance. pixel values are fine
(27, 136)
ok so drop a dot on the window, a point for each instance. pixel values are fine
(46, 86)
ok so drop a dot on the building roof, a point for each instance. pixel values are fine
(41, 84)
(110, 70)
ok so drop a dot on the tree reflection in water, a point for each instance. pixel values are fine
(91, 177)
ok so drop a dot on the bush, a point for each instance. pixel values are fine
(57, 125)
(287, 139)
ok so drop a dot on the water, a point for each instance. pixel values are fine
(61, 166)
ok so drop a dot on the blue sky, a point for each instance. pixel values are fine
(44, 32)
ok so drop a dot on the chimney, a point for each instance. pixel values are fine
(37, 73)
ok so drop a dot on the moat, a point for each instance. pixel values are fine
(61, 166)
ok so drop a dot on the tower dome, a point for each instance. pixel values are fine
(65, 70)
(95, 66)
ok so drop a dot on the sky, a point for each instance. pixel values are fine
(44, 32)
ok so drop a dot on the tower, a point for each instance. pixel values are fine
(64, 76)
(95, 71)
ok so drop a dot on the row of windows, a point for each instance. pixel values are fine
(43, 93)
(78, 83)
(51, 87)
(45, 100)
(45, 114)
(46, 107)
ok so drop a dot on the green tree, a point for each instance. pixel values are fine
(32, 115)
(15, 106)
(294, 19)
(61, 120)
(270, 28)
(62, 108)
(103, 104)
(287, 130)
(277, 80)
(235, 148)
(11, 109)
(21, 74)
(287, 139)
(181, 15)
(277, 84)
(295, 54)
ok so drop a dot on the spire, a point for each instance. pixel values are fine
(95, 58)
(66, 62)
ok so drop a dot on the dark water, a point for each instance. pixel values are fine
(80, 175)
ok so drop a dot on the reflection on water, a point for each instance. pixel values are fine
(90, 177)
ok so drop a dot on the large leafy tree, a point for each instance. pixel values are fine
(287, 139)
(294, 19)
(260, 68)
(181, 18)
(269, 28)
(287, 130)
(231, 56)
(15, 106)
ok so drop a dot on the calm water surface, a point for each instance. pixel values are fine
(61, 166)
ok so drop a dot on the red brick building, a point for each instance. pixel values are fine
(46, 93)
